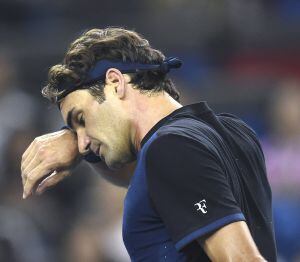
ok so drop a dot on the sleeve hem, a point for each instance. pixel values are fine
(209, 228)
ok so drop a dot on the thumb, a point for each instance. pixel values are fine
(51, 181)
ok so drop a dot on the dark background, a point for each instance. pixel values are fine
(241, 56)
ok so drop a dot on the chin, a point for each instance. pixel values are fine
(116, 162)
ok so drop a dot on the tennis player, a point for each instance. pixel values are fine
(197, 183)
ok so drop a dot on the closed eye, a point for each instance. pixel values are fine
(81, 120)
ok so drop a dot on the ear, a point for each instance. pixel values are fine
(115, 79)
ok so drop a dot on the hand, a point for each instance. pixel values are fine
(49, 158)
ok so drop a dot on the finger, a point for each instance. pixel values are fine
(51, 181)
(28, 150)
(32, 164)
(35, 175)
(26, 159)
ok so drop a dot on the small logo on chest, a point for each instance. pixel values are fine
(201, 205)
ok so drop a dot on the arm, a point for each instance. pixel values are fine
(232, 242)
(52, 157)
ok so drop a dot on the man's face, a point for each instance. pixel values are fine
(101, 127)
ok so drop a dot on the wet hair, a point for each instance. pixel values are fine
(114, 44)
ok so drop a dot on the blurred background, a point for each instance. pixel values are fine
(241, 56)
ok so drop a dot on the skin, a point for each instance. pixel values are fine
(114, 129)
(232, 243)
(44, 158)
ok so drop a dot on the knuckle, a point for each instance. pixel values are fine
(42, 152)
(30, 179)
(24, 175)
(41, 149)
(39, 145)
(23, 157)
(48, 166)
(35, 141)
(24, 172)
(48, 160)
(38, 142)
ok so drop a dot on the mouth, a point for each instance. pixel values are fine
(100, 155)
(95, 150)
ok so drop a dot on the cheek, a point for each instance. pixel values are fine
(92, 129)
(100, 131)
(107, 126)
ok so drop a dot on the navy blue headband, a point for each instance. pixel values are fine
(99, 70)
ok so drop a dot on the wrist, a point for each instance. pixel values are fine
(90, 157)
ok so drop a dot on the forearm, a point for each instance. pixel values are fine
(232, 243)
(234, 256)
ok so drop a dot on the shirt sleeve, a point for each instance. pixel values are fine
(189, 188)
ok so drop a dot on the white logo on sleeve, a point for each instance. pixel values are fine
(201, 205)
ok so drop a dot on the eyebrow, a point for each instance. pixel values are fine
(70, 117)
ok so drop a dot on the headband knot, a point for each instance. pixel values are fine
(170, 63)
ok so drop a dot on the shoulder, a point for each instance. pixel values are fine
(184, 136)
(233, 122)
(241, 131)
(187, 130)
(171, 155)
(168, 145)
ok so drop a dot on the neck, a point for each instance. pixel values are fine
(149, 110)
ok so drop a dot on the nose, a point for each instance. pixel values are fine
(83, 142)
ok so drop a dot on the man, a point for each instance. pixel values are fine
(199, 190)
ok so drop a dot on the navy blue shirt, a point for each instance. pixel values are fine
(196, 172)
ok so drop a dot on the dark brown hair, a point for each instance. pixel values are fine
(115, 44)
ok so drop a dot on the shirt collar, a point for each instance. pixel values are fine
(189, 110)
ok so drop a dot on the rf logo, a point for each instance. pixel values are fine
(201, 206)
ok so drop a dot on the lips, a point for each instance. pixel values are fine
(101, 155)
(96, 150)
